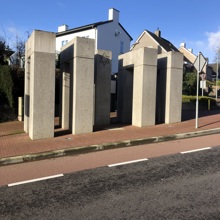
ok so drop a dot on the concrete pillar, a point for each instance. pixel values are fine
(27, 86)
(83, 86)
(143, 64)
(66, 109)
(40, 85)
(144, 91)
(171, 65)
(79, 53)
(102, 87)
(174, 88)
(20, 108)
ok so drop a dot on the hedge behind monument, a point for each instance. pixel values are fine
(11, 87)
(6, 86)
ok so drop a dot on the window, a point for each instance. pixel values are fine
(122, 47)
(64, 42)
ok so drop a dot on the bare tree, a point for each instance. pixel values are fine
(20, 49)
(2, 50)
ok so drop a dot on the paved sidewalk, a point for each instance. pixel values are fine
(16, 146)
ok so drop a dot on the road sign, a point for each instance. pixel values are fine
(200, 62)
(202, 84)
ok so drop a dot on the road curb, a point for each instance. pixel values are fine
(105, 146)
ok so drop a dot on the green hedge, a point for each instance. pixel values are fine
(11, 85)
(202, 99)
(212, 83)
(6, 86)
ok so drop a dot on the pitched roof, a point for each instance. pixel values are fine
(88, 27)
(167, 45)
(189, 57)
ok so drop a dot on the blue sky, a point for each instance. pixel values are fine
(195, 22)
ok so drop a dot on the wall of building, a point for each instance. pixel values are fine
(66, 38)
(147, 41)
(112, 37)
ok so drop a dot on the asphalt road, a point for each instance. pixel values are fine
(180, 186)
(69, 164)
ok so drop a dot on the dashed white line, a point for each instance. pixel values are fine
(191, 151)
(35, 180)
(127, 162)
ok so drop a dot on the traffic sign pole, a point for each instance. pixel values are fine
(197, 93)
(198, 64)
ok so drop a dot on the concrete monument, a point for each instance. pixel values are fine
(150, 87)
(86, 86)
(137, 87)
(39, 85)
(169, 87)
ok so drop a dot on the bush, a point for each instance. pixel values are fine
(202, 99)
(189, 83)
(6, 86)
(11, 85)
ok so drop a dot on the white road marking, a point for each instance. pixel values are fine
(35, 180)
(191, 151)
(127, 162)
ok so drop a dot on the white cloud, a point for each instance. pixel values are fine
(12, 30)
(200, 44)
(208, 45)
(213, 39)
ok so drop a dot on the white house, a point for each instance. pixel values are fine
(108, 35)
(15, 59)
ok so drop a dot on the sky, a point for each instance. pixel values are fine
(194, 22)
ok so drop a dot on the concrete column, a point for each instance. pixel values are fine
(20, 108)
(27, 86)
(144, 90)
(83, 86)
(41, 83)
(79, 54)
(174, 88)
(170, 66)
(141, 85)
(65, 70)
(102, 87)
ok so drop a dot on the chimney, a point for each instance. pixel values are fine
(190, 50)
(183, 45)
(63, 28)
(158, 32)
(113, 14)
